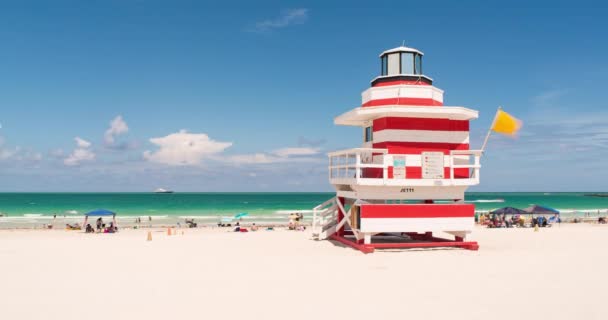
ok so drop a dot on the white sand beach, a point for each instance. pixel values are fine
(556, 273)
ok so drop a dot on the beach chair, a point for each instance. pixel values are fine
(191, 223)
(225, 222)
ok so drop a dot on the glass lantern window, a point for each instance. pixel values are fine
(393, 64)
(407, 63)
(418, 64)
(383, 67)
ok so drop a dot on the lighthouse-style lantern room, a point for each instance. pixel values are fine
(402, 63)
(405, 184)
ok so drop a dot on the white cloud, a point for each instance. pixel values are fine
(81, 143)
(183, 148)
(548, 98)
(18, 154)
(301, 151)
(287, 18)
(117, 127)
(300, 154)
(4, 153)
(80, 154)
(256, 158)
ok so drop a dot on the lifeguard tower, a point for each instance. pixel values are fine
(406, 182)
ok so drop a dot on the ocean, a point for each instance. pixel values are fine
(36, 209)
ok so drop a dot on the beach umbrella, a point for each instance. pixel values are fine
(540, 210)
(100, 213)
(240, 215)
(508, 210)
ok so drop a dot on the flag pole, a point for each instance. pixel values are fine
(485, 141)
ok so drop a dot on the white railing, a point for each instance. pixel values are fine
(349, 164)
(353, 166)
(466, 162)
(324, 215)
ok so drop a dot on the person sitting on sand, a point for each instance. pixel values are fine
(254, 227)
(89, 228)
(238, 227)
(110, 229)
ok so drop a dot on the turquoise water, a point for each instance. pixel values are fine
(35, 208)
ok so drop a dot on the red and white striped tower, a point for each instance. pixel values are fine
(407, 181)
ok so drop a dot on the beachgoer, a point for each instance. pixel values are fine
(292, 218)
(254, 227)
(99, 223)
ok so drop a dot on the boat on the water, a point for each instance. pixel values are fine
(161, 190)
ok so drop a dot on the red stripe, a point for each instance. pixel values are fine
(420, 124)
(398, 82)
(402, 101)
(419, 147)
(378, 211)
(413, 173)
(416, 173)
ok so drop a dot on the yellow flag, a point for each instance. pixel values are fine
(506, 123)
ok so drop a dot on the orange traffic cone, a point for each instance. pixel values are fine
(149, 236)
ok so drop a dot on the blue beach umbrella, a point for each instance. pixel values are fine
(100, 213)
(541, 210)
(240, 215)
(508, 210)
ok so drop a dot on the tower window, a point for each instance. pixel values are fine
(393, 64)
(384, 66)
(418, 64)
(369, 133)
(407, 63)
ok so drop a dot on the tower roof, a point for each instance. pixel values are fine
(402, 49)
(362, 116)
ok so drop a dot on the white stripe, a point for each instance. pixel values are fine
(394, 135)
(416, 224)
(403, 91)
(415, 160)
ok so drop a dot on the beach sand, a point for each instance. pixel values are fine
(555, 273)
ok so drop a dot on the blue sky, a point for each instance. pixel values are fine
(256, 85)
